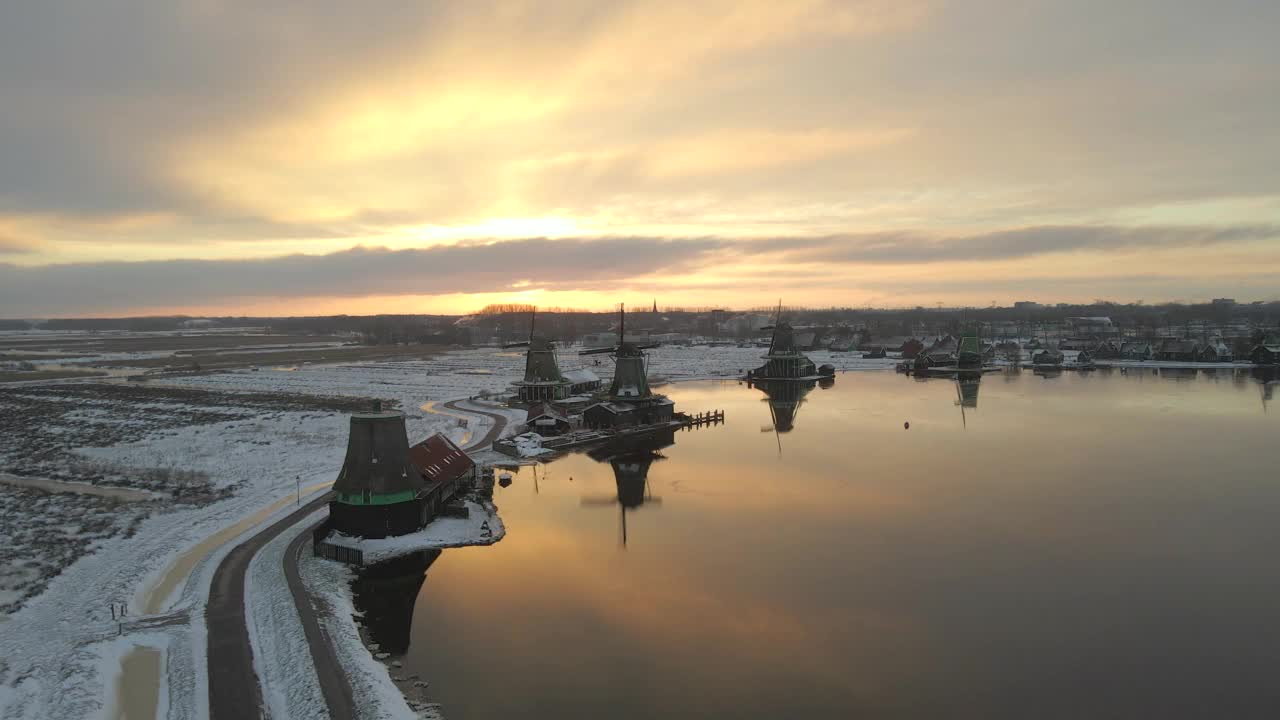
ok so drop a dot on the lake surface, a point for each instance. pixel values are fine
(1089, 545)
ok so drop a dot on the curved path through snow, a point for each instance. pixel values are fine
(499, 423)
(234, 689)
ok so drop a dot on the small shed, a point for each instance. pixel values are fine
(1135, 351)
(581, 381)
(1216, 351)
(911, 348)
(547, 419)
(1107, 350)
(928, 360)
(1048, 356)
(1179, 351)
(611, 414)
(1265, 354)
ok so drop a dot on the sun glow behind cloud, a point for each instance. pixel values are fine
(495, 122)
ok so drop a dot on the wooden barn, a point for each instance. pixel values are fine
(1217, 351)
(1176, 350)
(621, 413)
(547, 419)
(1047, 357)
(1136, 351)
(1265, 354)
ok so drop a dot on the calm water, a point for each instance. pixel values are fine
(1097, 545)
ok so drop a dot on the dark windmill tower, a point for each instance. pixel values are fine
(630, 401)
(543, 380)
(379, 491)
(783, 361)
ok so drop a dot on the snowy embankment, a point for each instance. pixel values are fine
(371, 683)
(281, 656)
(482, 526)
(529, 445)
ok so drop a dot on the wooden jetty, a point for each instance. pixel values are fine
(581, 438)
(711, 417)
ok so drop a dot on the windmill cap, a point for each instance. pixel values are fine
(375, 416)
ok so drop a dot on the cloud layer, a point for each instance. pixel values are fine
(605, 267)
(904, 132)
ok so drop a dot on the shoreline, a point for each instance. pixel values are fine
(183, 529)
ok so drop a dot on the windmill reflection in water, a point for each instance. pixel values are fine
(785, 398)
(630, 460)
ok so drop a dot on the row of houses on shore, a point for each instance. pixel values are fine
(1163, 349)
(1185, 350)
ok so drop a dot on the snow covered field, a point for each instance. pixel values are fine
(217, 449)
(228, 445)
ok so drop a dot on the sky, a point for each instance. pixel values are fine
(208, 157)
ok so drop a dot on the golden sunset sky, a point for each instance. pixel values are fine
(205, 157)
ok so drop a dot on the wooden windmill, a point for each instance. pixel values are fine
(630, 374)
(542, 377)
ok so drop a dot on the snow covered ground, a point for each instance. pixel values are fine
(217, 448)
(282, 659)
(481, 527)
(247, 441)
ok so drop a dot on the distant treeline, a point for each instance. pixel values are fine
(511, 322)
(136, 324)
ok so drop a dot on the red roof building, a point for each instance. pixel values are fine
(440, 461)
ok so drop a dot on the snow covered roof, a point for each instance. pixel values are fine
(547, 410)
(580, 376)
(614, 407)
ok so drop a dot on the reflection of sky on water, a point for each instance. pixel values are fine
(1092, 544)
